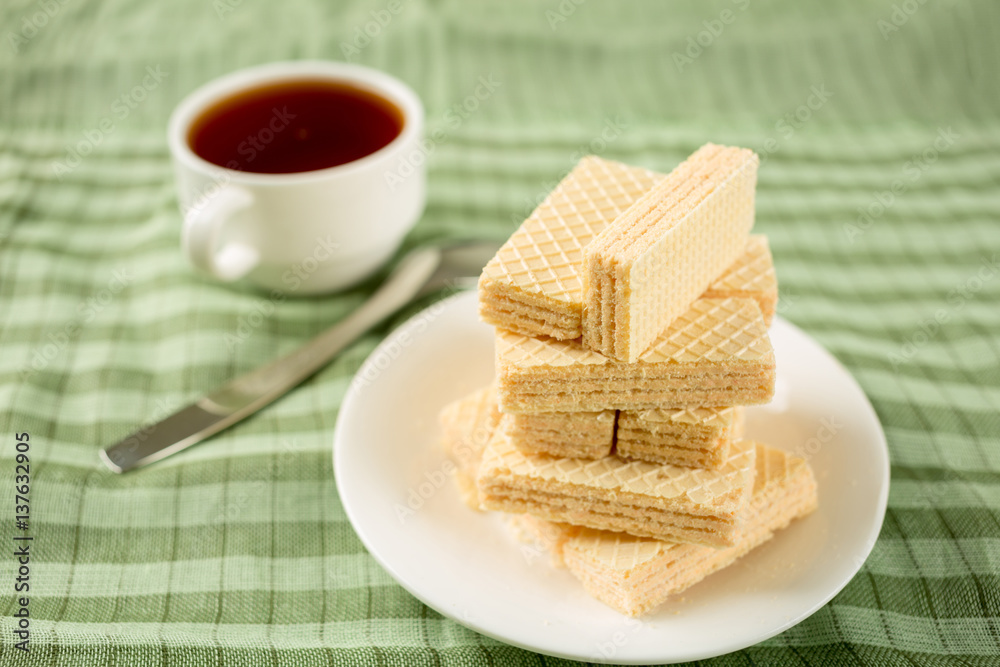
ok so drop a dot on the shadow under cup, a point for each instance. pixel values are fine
(299, 177)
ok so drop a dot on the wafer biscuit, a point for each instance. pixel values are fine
(634, 574)
(695, 437)
(533, 284)
(646, 268)
(751, 276)
(467, 426)
(582, 435)
(718, 353)
(663, 502)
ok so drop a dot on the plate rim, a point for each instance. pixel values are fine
(720, 647)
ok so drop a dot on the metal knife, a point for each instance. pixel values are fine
(422, 271)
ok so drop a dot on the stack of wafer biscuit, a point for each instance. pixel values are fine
(632, 313)
(630, 573)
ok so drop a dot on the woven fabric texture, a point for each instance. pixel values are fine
(878, 128)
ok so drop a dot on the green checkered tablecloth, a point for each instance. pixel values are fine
(878, 124)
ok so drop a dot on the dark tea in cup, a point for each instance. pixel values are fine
(295, 126)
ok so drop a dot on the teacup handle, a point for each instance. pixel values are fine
(203, 227)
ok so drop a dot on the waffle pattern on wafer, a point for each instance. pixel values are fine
(663, 502)
(634, 574)
(695, 437)
(534, 279)
(717, 353)
(646, 268)
(751, 276)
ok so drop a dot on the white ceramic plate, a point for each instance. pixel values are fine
(392, 481)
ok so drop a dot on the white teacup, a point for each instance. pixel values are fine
(306, 232)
